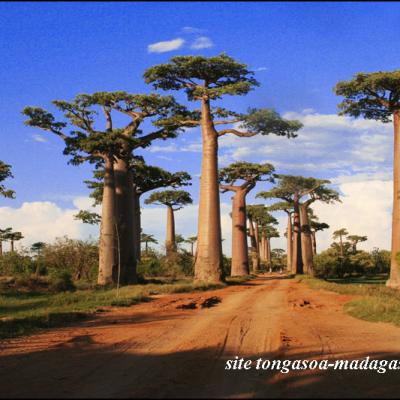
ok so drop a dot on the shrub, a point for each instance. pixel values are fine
(61, 282)
(14, 263)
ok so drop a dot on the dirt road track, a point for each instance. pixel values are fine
(159, 349)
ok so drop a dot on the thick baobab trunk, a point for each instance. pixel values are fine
(289, 250)
(268, 255)
(12, 245)
(137, 224)
(314, 242)
(263, 248)
(107, 255)
(394, 280)
(208, 264)
(124, 199)
(254, 256)
(1, 248)
(297, 263)
(306, 242)
(170, 245)
(240, 256)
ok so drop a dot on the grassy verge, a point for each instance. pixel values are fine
(377, 303)
(23, 313)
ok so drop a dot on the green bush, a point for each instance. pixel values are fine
(61, 282)
(14, 263)
(79, 258)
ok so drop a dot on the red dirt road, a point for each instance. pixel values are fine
(159, 349)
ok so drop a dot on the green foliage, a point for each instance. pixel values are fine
(202, 76)
(5, 172)
(266, 121)
(373, 95)
(172, 198)
(246, 171)
(88, 217)
(290, 187)
(329, 263)
(13, 263)
(79, 258)
(61, 282)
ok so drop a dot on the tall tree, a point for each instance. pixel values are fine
(376, 96)
(146, 178)
(111, 150)
(4, 236)
(14, 237)
(206, 80)
(5, 172)
(269, 232)
(240, 178)
(259, 218)
(174, 200)
(301, 192)
(315, 227)
(355, 239)
(340, 234)
(287, 207)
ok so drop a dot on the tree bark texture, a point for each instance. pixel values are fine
(306, 241)
(297, 262)
(107, 259)
(170, 245)
(208, 264)
(240, 256)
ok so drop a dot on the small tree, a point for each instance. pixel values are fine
(315, 227)
(4, 236)
(340, 234)
(206, 80)
(14, 237)
(5, 172)
(146, 239)
(240, 178)
(191, 240)
(377, 96)
(355, 239)
(174, 200)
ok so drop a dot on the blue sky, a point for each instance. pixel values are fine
(298, 50)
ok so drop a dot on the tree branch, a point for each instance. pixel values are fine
(236, 133)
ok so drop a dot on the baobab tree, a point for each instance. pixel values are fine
(268, 231)
(301, 192)
(258, 217)
(340, 234)
(287, 207)
(315, 227)
(206, 79)
(4, 236)
(146, 178)
(240, 178)
(191, 240)
(14, 237)
(355, 239)
(5, 172)
(146, 239)
(376, 96)
(111, 150)
(174, 200)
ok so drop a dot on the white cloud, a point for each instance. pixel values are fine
(327, 143)
(365, 210)
(44, 221)
(202, 42)
(163, 47)
(260, 69)
(39, 138)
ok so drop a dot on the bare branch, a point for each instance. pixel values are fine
(236, 132)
